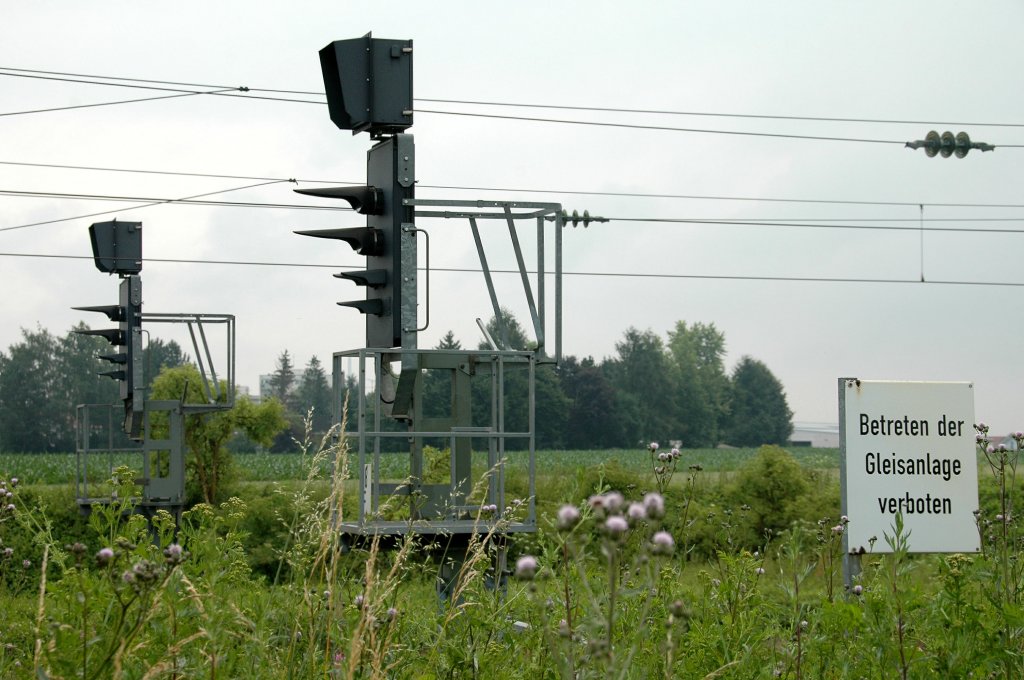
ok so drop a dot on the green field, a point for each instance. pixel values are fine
(59, 468)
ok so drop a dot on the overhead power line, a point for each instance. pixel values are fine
(566, 192)
(244, 91)
(138, 207)
(797, 223)
(710, 114)
(665, 128)
(644, 275)
(97, 104)
(562, 107)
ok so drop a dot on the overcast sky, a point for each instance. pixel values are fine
(858, 306)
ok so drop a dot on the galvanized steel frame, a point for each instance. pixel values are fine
(369, 436)
(510, 212)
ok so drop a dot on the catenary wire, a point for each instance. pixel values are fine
(137, 207)
(97, 104)
(599, 109)
(243, 92)
(567, 192)
(646, 275)
(797, 223)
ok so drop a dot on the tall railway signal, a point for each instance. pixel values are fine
(369, 89)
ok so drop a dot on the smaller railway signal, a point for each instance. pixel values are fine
(117, 249)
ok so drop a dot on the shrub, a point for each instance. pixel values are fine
(771, 485)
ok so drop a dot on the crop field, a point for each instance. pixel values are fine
(60, 468)
(729, 568)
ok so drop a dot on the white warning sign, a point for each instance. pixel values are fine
(909, 447)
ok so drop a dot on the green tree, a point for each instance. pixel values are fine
(209, 463)
(759, 414)
(282, 381)
(158, 355)
(698, 353)
(437, 384)
(43, 379)
(513, 332)
(642, 374)
(314, 393)
(77, 361)
(29, 414)
(594, 419)
(551, 405)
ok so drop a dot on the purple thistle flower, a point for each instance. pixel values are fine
(663, 543)
(613, 501)
(174, 554)
(675, 453)
(858, 589)
(759, 571)
(26, 563)
(526, 567)
(616, 526)
(636, 512)
(653, 446)
(567, 517)
(654, 504)
(104, 556)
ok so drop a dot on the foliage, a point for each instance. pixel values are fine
(651, 390)
(593, 419)
(43, 378)
(759, 414)
(697, 354)
(282, 380)
(642, 377)
(207, 434)
(314, 395)
(770, 485)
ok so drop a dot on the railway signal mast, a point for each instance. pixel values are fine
(156, 428)
(369, 89)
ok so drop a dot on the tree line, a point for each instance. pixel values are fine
(44, 377)
(667, 389)
(659, 389)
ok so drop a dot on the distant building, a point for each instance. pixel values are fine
(819, 435)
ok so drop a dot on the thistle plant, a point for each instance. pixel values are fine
(624, 543)
(663, 465)
(829, 536)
